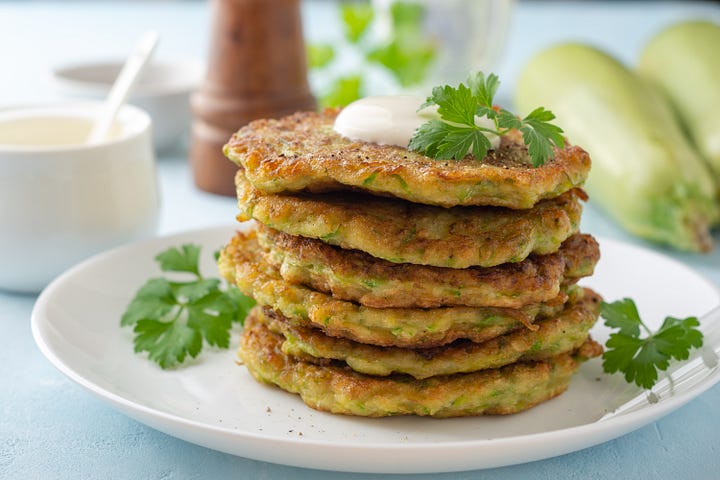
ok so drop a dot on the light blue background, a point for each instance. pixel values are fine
(52, 429)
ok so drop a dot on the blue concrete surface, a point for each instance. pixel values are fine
(50, 428)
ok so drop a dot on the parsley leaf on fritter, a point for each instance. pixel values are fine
(456, 132)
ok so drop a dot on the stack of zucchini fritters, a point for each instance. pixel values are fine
(390, 283)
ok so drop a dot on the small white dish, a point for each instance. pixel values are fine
(62, 200)
(216, 403)
(163, 91)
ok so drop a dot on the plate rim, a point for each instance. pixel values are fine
(582, 436)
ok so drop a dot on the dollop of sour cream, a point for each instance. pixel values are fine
(391, 120)
(386, 120)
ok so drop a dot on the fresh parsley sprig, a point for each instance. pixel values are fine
(456, 132)
(639, 359)
(172, 319)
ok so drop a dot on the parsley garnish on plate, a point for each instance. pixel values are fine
(456, 132)
(639, 359)
(173, 319)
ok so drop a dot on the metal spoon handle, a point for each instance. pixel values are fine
(124, 83)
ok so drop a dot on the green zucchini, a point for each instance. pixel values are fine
(684, 61)
(645, 172)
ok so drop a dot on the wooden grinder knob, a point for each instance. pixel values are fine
(256, 69)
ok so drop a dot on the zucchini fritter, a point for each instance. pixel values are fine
(241, 263)
(562, 334)
(338, 389)
(403, 232)
(356, 276)
(303, 152)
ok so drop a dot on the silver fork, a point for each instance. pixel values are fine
(700, 365)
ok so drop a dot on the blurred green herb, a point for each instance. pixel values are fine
(320, 55)
(406, 55)
(356, 18)
(173, 319)
(344, 90)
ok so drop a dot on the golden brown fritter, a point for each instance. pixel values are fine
(241, 263)
(356, 276)
(564, 333)
(303, 152)
(338, 389)
(403, 232)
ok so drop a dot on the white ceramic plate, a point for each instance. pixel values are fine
(215, 403)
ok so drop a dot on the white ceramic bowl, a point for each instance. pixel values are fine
(62, 201)
(163, 91)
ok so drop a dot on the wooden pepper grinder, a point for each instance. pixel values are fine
(256, 69)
